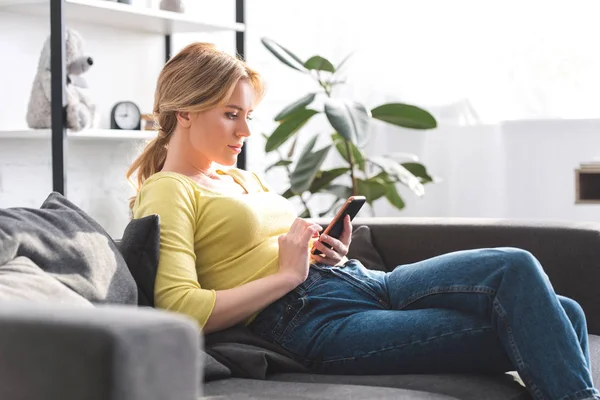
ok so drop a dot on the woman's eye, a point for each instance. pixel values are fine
(231, 115)
(249, 118)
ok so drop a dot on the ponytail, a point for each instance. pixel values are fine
(148, 163)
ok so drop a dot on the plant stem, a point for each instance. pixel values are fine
(305, 205)
(351, 161)
(324, 85)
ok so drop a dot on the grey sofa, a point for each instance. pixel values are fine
(123, 352)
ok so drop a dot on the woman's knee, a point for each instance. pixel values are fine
(521, 262)
(573, 310)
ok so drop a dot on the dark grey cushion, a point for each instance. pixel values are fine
(140, 247)
(363, 249)
(21, 279)
(214, 370)
(69, 245)
(247, 355)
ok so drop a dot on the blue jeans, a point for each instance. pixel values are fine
(478, 311)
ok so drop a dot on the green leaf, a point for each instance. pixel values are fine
(404, 115)
(283, 54)
(400, 173)
(287, 128)
(372, 188)
(340, 191)
(295, 106)
(324, 178)
(391, 194)
(418, 170)
(357, 155)
(288, 194)
(280, 163)
(384, 177)
(319, 63)
(308, 147)
(306, 170)
(350, 119)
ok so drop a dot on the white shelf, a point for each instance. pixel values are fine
(119, 15)
(86, 134)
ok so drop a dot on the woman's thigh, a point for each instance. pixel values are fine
(411, 341)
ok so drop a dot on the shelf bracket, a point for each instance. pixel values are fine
(59, 98)
(240, 49)
(168, 47)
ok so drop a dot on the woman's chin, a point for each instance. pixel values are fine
(228, 162)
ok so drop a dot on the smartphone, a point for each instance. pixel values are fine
(335, 228)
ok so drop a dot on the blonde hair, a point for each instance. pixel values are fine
(200, 77)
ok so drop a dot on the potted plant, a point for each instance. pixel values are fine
(371, 176)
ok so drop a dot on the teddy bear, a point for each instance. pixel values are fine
(81, 110)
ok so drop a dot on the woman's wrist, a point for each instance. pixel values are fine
(290, 280)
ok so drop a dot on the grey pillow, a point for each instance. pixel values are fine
(21, 279)
(140, 247)
(363, 249)
(69, 245)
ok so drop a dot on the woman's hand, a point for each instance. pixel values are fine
(293, 250)
(339, 247)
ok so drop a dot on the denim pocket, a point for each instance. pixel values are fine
(368, 281)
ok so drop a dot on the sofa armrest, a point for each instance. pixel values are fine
(568, 251)
(107, 352)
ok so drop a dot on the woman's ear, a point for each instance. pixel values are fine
(184, 118)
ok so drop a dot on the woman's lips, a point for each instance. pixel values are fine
(236, 149)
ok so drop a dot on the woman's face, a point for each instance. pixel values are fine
(217, 135)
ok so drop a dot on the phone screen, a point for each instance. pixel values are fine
(352, 209)
(336, 227)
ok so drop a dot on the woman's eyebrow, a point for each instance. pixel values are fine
(236, 107)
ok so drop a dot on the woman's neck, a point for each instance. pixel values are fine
(179, 161)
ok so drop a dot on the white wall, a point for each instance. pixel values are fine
(473, 66)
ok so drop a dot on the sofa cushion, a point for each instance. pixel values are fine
(363, 249)
(247, 355)
(459, 386)
(21, 279)
(252, 389)
(140, 247)
(69, 245)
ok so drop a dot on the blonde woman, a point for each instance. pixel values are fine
(234, 252)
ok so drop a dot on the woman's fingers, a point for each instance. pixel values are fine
(326, 251)
(336, 244)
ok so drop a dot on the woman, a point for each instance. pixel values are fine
(232, 251)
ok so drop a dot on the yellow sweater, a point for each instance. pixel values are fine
(211, 241)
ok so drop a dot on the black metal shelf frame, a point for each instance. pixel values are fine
(58, 86)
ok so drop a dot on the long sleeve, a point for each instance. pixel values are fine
(177, 288)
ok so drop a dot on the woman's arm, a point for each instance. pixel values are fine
(233, 306)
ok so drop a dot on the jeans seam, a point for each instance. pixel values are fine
(581, 395)
(446, 290)
(397, 346)
(521, 367)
